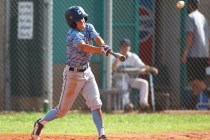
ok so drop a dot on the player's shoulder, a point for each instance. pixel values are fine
(195, 14)
(131, 54)
(73, 33)
(190, 17)
(89, 25)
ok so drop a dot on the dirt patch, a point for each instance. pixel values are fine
(168, 136)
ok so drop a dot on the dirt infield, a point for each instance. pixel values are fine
(168, 136)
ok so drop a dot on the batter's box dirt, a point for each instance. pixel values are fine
(168, 136)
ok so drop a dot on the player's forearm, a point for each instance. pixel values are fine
(151, 69)
(99, 41)
(147, 68)
(188, 43)
(115, 65)
(89, 48)
(187, 46)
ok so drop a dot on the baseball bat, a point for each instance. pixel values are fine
(118, 56)
(152, 91)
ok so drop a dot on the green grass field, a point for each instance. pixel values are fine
(82, 124)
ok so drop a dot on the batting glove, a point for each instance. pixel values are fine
(107, 49)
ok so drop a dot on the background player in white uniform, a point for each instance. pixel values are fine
(196, 51)
(133, 60)
(77, 74)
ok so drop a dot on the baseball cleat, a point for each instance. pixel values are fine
(144, 108)
(103, 137)
(37, 130)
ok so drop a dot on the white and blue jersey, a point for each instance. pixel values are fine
(76, 57)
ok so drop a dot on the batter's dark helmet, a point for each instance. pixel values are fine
(73, 14)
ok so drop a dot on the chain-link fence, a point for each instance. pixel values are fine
(33, 50)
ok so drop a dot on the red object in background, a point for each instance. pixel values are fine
(146, 32)
(145, 51)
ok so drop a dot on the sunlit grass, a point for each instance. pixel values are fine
(82, 124)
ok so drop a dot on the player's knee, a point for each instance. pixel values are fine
(61, 113)
(95, 107)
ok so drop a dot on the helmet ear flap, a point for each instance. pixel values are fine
(85, 19)
(73, 25)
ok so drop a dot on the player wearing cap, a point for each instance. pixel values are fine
(133, 61)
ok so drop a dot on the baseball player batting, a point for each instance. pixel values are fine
(77, 74)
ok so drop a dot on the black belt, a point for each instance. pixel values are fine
(77, 70)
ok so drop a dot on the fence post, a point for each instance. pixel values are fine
(7, 89)
(48, 35)
(108, 40)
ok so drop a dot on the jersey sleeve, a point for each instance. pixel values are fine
(74, 38)
(190, 24)
(92, 31)
(137, 61)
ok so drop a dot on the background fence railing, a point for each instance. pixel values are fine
(32, 34)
